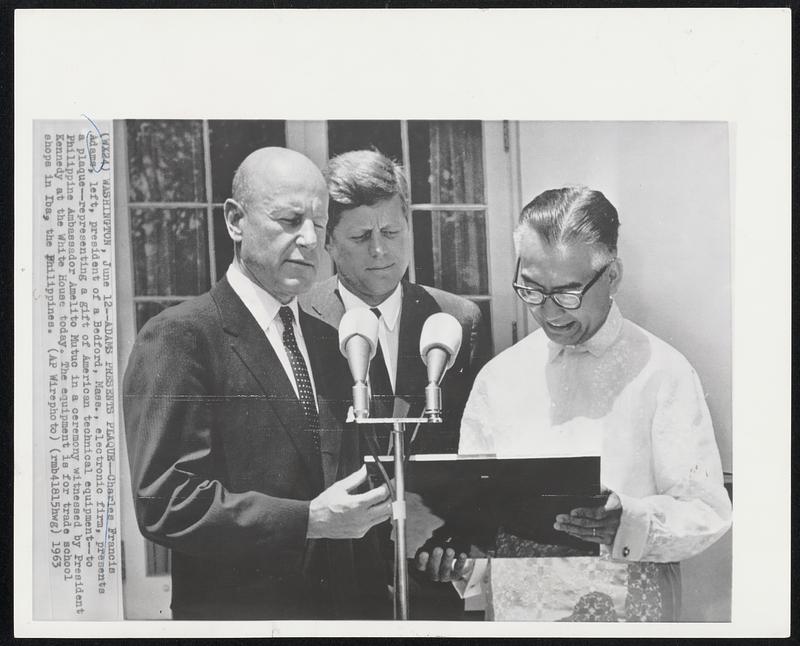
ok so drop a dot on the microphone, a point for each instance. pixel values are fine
(358, 341)
(439, 344)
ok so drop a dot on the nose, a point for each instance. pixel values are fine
(307, 236)
(550, 308)
(376, 244)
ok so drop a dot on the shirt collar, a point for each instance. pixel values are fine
(261, 304)
(390, 308)
(599, 342)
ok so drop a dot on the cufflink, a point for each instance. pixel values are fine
(625, 551)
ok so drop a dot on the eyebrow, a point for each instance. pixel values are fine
(292, 210)
(284, 204)
(569, 286)
(280, 210)
(365, 229)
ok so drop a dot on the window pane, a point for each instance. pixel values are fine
(170, 252)
(419, 145)
(146, 311)
(424, 270)
(231, 142)
(223, 245)
(462, 236)
(165, 161)
(360, 135)
(457, 240)
(446, 162)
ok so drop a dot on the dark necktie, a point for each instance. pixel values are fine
(382, 393)
(301, 377)
(382, 406)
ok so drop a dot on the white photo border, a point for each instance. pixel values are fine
(532, 64)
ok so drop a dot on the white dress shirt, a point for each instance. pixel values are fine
(388, 325)
(637, 400)
(264, 307)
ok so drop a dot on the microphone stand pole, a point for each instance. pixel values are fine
(399, 518)
(399, 502)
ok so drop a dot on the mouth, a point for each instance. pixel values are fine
(559, 327)
(302, 263)
(380, 268)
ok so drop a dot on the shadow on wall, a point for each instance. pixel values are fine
(701, 601)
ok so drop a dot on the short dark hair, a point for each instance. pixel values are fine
(573, 214)
(362, 178)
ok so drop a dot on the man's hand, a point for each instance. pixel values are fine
(336, 513)
(593, 524)
(440, 566)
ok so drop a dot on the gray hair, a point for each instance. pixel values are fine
(572, 215)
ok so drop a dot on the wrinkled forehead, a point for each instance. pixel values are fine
(390, 212)
(531, 247)
(285, 179)
(287, 192)
(556, 264)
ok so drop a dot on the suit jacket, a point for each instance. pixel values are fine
(223, 470)
(419, 302)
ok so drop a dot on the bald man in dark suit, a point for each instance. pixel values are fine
(233, 406)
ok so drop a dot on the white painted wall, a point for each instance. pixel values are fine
(670, 184)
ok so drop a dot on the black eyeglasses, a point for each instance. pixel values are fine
(569, 300)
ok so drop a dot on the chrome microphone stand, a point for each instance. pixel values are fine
(399, 503)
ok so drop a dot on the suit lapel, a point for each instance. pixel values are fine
(325, 303)
(328, 367)
(249, 343)
(412, 376)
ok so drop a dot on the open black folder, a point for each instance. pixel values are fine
(477, 494)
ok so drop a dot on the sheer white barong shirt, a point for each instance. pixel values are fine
(629, 396)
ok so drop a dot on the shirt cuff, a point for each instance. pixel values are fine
(474, 585)
(634, 527)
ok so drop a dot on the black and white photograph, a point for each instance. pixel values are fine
(427, 368)
(434, 235)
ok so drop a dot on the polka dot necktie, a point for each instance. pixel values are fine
(300, 371)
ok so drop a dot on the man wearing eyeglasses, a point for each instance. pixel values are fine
(591, 378)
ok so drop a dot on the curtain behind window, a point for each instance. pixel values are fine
(456, 177)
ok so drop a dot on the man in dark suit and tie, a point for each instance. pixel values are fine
(369, 241)
(233, 403)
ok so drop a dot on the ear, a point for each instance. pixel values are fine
(615, 275)
(233, 219)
